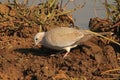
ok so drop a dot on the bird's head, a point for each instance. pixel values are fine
(38, 37)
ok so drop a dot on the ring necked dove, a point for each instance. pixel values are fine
(62, 38)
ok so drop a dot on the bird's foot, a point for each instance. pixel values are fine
(65, 54)
(52, 55)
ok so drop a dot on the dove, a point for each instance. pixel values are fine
(62, 38)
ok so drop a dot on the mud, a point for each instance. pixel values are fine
(20, 60)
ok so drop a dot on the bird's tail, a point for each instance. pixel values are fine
(89, 34)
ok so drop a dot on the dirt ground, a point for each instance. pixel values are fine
(20, 60)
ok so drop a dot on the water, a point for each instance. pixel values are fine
(81, 16)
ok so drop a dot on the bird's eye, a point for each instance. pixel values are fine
(36, 39)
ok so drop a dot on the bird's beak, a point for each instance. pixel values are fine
(36, 44)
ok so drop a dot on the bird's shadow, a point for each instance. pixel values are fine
(36, 51)
(43, 51)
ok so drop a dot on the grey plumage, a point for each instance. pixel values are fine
(62, 38)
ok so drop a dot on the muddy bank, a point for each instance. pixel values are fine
(20, 60)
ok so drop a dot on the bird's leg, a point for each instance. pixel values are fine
(68, 50)
(65, 54)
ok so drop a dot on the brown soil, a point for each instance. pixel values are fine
(19, 60)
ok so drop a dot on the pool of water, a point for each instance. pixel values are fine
(82, 16)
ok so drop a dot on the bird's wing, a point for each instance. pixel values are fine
(62, 37)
